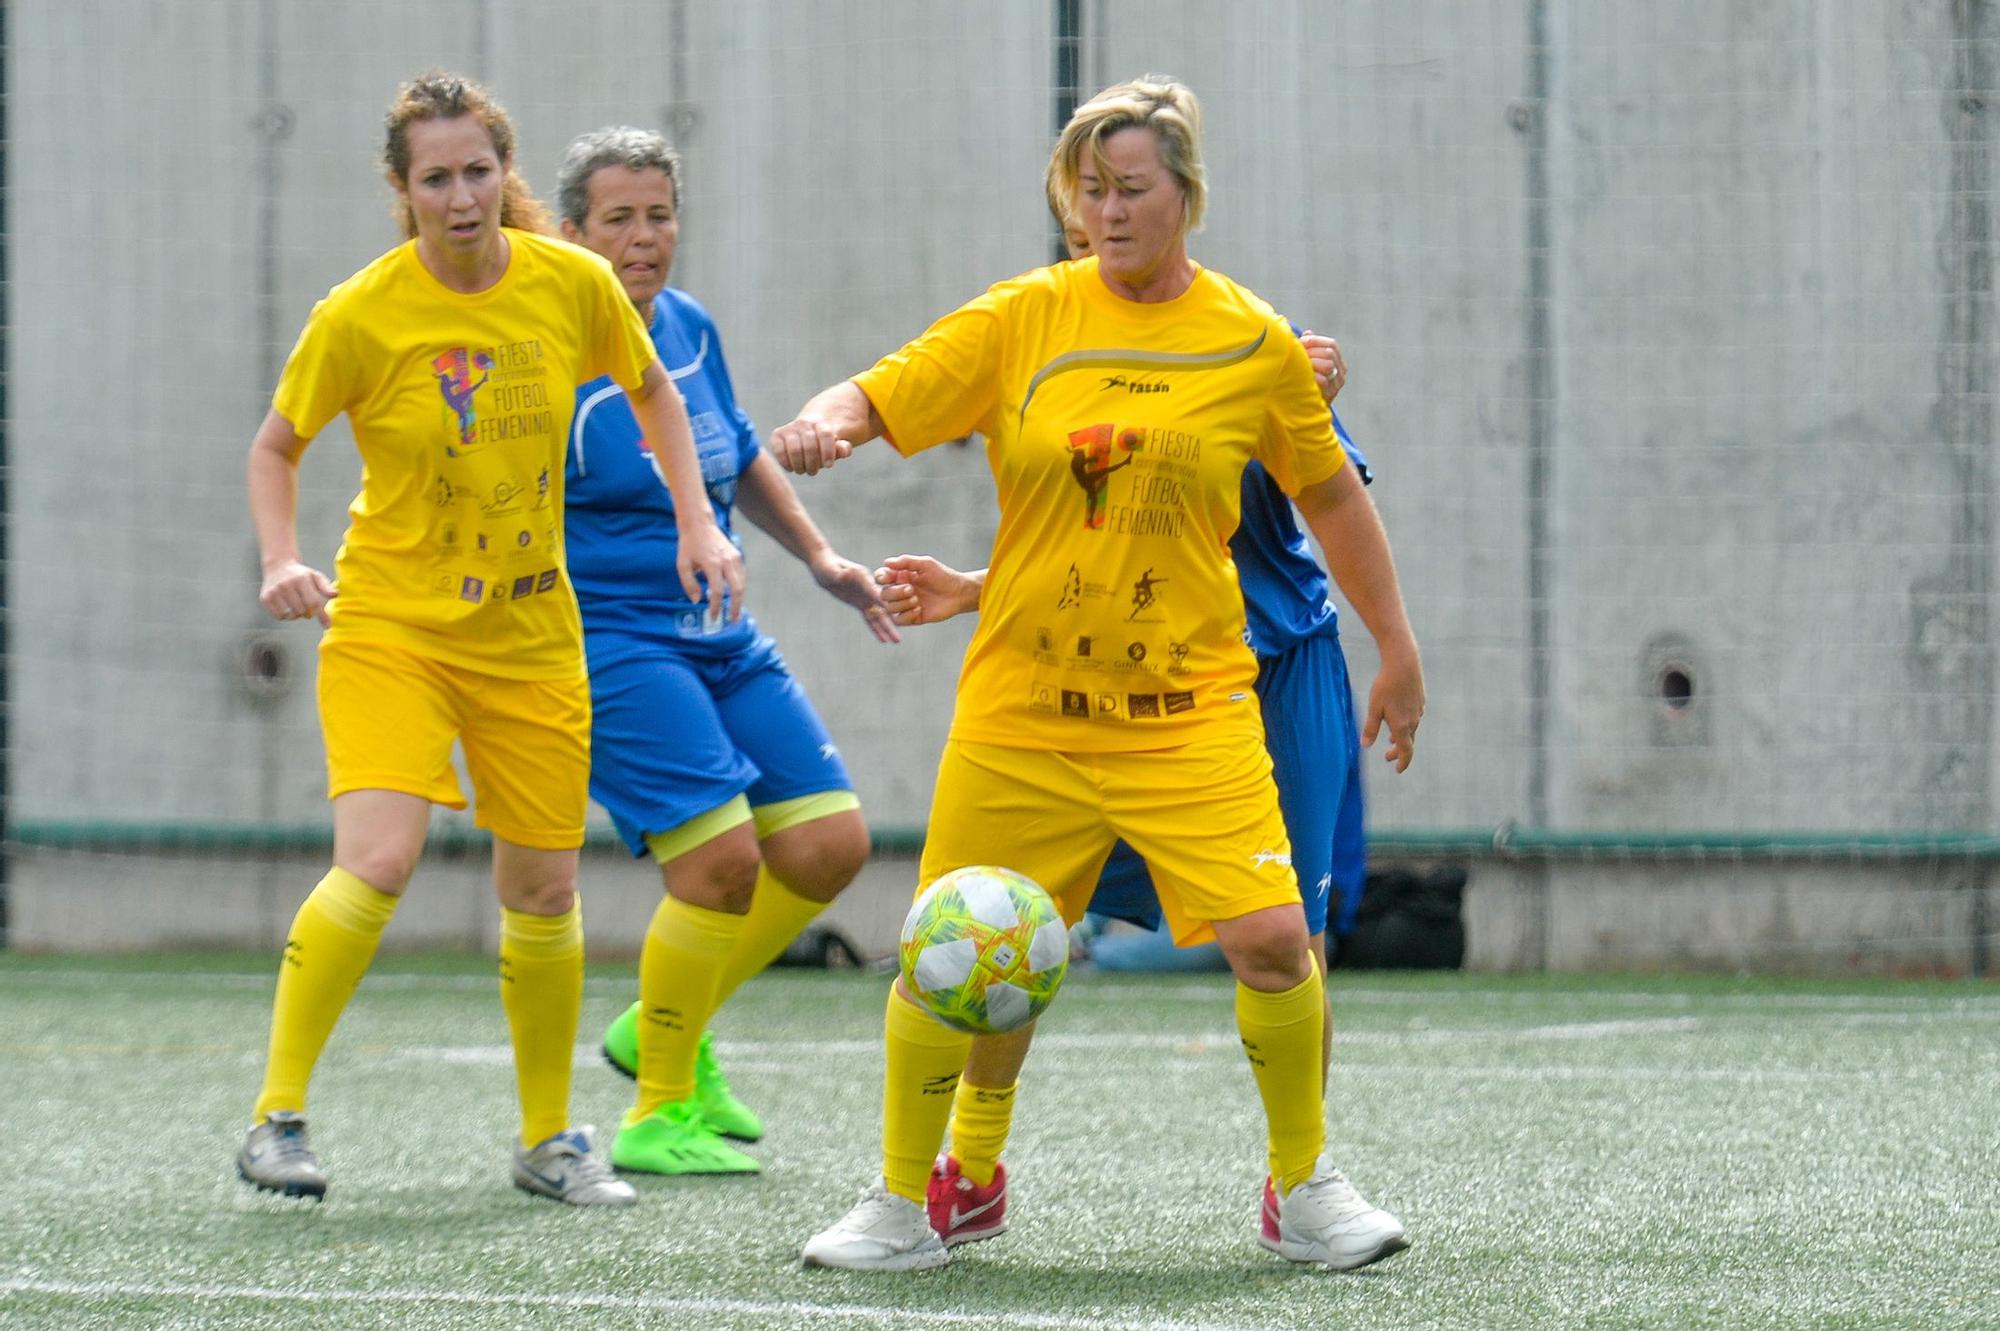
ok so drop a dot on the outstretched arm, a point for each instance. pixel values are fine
(919, 590)
(826, 429)
(766, 497)
(1344, 522)
(705, 553)
(291, 590)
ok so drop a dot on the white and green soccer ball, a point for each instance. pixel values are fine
(984, 949)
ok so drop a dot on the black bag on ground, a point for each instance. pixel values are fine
(821, 947)
(1408, 920)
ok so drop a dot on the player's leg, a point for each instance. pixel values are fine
(665, 768)
(1235, 880)
(1309, 725)
(1350, 840)
(967, 1192)
(527, 751)
(388, 720)
(968, 1187)
(811, 834)
(1036, 812)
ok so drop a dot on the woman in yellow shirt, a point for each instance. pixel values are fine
(454, 357)
(1108, 691)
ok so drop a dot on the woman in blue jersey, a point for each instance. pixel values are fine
(1309, 724)
(703, 746)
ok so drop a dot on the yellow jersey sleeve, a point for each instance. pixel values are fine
(946, 384)
(320, 376)
(1298, 446)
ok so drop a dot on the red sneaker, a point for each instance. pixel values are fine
(962, 1211)
(1271, 1235)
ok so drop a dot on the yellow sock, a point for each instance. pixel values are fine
(1281, 1035)
(777, 916)
(981, 1118)
(332, 941)
(923, 1059)
(686, 948)
(541, 987)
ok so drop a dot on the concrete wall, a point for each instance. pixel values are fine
(1672, 331)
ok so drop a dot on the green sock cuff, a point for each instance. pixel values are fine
(547, 936)
(347, 902)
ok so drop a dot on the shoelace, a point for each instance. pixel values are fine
(1331, 1186)
(587, 1167)
(288, 1143)
(709, 1069)
(876, 1202)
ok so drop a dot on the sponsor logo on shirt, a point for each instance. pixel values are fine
(1075, 703)
(1179, 702)
(1142, 704)
(473, 588)
(454, 370)
(1143, 593)
(1112, 381)
(1072, 592)
(1090, 465)
(516, 404)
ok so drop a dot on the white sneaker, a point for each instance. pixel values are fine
(278, 1157)
(1325, 1220)
(883, 1232)
(566, 1168)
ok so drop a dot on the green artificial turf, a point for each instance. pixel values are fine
(1594, 1152)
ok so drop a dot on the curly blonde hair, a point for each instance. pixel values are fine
(438, 94)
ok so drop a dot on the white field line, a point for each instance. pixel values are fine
(870, 1314)
(1212, 989)
(1603, 1030)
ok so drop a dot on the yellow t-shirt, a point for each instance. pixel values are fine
(461, 408)
(1117, 433)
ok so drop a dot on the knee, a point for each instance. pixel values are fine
(817, 860)
(386, 868)
(555, 896)
(1267, 954)
(723, 880)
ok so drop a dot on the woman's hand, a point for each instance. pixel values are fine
(291, 590)
(917, 589)
(1329, 366)
(708, 557)
(847, 581)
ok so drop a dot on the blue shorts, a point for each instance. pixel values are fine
(1309, 726)
(674, 734)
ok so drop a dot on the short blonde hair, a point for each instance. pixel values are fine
(1155, 102)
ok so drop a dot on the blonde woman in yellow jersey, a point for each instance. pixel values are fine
(1108, 690)
(455, 357)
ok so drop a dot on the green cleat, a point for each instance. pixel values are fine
(677, 1139)
(719, 1105)
(621, 1042)
(726, 1114)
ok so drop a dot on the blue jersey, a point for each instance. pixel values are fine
(622, 536)
(1285, 597)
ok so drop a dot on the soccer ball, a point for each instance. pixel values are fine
(984, 948)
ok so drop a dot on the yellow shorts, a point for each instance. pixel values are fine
(1204, 815)
(390, 716)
